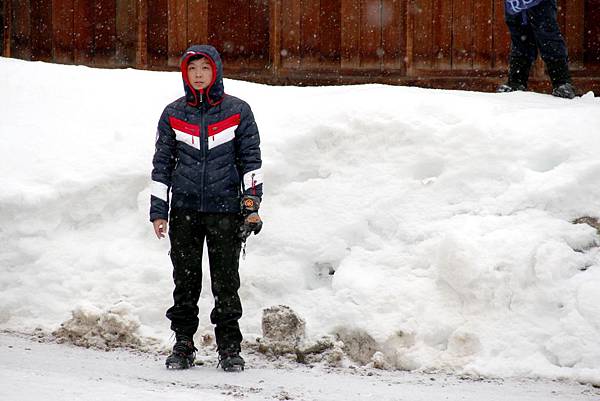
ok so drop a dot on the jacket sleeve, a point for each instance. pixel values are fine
(163, 164)
(248, 153)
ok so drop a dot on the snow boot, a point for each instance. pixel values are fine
(508, 87)
(183, 354)
(231, 361)
(566, 91)
(518, 75)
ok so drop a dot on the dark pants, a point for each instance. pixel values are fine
(538, 30)
(187, 231)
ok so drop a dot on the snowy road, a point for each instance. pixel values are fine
(30, 370)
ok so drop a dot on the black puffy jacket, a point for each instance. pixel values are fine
(207, 148)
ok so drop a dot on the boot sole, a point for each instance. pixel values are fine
(179, 366)
(235, 368)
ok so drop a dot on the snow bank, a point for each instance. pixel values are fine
(437, 223)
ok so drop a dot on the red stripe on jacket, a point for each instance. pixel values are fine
(221, 126)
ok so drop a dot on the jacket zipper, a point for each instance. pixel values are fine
(203, 153)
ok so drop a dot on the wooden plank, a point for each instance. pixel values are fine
(228, 29)
(41, 34)
(330, 32)
(177, 30)
(83, 32)
(591, 54)
(3, 28)
(422, 35)
(197, 30)
(126, 39)
(20, 33)
(310, 33)
(257, 32)
(574, 31)
(441, 32)
(5, 19)
(482, 34)
(350, 34)
(157, 33)
(371, 52)
(462, 35)
(141, 53)
(275, 29)
(500, 39)
(290, 39)
(105, 32)
(62, 31)
(393, 34)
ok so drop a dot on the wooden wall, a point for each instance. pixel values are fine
(436, 43)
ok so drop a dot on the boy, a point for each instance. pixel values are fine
(208, 156)
(533, 26)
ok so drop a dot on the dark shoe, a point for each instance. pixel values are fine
(231, 361)
(508, 87)
(183, 354)
(518, 73)
(558, 70)
(566, 91)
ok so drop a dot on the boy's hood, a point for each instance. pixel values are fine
(213, 95)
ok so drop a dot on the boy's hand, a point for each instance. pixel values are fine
(160, 227)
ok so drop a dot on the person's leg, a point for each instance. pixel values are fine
(224, 247)
(543, 20)
(523, 51)
(186, 234)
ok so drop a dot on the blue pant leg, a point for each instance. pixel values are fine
(544, 25)
(522, 39)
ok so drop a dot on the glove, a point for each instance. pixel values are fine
(252, 222)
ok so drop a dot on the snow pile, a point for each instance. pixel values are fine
(91, 327)
(436, 224)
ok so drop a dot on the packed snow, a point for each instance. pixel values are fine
(436, 226)
(32, 371)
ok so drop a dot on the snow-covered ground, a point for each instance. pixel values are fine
(435, 224)
(38, 371)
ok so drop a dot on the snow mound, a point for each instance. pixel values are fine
(92, 327)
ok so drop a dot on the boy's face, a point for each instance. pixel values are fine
(199, 73)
